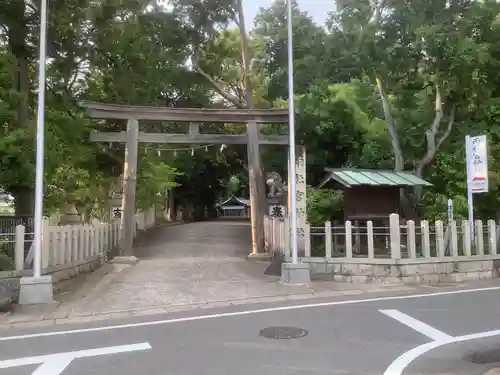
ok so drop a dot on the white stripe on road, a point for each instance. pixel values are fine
(55, 364)
(246, 312)
(399, 365)
(54, 367)
(417, 325)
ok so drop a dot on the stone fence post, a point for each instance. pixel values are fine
(395, 236)
(19, 247)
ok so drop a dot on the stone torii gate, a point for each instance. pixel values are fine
(194, 116)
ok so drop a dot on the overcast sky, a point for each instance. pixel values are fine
(317, 9)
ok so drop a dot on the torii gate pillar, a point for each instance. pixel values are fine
(128, 223)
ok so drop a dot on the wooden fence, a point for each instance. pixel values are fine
(68, 244)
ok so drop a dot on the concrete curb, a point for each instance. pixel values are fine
(493, 371)
(170, 224)
(65, 315)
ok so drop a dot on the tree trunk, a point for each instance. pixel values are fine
(256, 179)
(391, 126)
(18, 33)
(23, 111)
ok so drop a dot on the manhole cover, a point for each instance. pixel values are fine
(283, 333)
(485, 356)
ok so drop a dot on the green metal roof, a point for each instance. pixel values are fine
(358, 177)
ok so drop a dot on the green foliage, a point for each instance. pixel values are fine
(154, 181)
(6, 263)
(323, 205)
(234, 185)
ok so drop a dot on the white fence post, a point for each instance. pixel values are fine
(479, 232)
(99, 239)
(454, 238)
(395, 236)
(466, 238)
(69, 244)
(410, 239)
(426, 239)
(73, 230)
(369, 234)
(62, 245)
(439, 238)
(328, 240)
(81, 242)
(19, 248)
(492, 236)
(348, 239)
(95, 231)
(90, 241)
(102, 241)
(307, 240)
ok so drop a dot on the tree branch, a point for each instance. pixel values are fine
(433, 146)
(216, 85)
(451, 122)
(391, 126)
(377, 11)
(438, 108)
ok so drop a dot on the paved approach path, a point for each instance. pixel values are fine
(194, 264)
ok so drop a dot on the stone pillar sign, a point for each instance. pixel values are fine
(300, 169)
(115, 201)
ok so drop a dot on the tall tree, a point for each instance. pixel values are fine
(428, 53)
(308, 48)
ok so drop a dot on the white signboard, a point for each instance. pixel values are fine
(477, 164)
(55, 364)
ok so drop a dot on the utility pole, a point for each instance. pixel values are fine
(39, 289)
(294, 273)
(291, 127)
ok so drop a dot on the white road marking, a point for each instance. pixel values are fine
(54, 367)
(54, 364)
(399, 365)
(417, 325)
(245, 312)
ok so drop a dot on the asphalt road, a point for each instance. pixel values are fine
(450, 332)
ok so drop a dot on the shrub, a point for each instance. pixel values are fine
(6, 263)
(324, 205)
